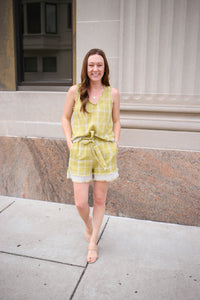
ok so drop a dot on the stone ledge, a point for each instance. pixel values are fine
(154, 184)
(178, 109)
(160, 99)
(161, 117)
(160, 124)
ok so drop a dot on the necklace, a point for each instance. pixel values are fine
(97, 94)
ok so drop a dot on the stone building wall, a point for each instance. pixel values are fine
(153, 52)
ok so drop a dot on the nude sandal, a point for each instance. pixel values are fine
(92, 257)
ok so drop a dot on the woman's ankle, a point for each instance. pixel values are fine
(93, 241)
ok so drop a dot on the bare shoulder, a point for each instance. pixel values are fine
(114, 92)
(70, 101)
(72, 94)
(115, 95)
(73, 90)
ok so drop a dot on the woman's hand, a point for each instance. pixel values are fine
(69, 144)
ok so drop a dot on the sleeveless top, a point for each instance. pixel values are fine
(98, 120)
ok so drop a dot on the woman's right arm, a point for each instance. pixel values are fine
(67, 114)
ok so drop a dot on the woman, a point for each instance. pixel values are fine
(92, 140)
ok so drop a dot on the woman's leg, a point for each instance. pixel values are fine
(99, 197)
(81, 201)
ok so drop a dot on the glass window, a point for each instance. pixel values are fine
(44, 42)
(51, 18)
(33, 18)
(49, 64)
(69, 15)
(30, 64)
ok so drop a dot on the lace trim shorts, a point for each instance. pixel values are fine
(92, 159)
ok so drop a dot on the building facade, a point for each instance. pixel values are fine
(153, 49)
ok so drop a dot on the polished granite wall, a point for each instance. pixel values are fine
(159, 185)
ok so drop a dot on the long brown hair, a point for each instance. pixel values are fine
(85, 81)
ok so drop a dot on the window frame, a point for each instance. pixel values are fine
(56, 85)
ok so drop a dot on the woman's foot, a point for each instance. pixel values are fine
(92, 253)
(88, 230)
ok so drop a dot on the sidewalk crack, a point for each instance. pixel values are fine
(82, 274)
(76, 286)
(6, 207)
(104, 228)
(41, 259)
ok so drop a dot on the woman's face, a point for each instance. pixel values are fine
(95, 67)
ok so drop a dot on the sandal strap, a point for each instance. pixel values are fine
(92, 248)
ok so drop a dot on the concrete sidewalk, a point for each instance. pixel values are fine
(43, 256)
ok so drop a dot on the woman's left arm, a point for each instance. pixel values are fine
(116, 114)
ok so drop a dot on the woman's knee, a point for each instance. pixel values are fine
(100, 192)
(81, 204)
(81, 195)
(99, 200)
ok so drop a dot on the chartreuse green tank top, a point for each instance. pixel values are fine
(98, 120)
